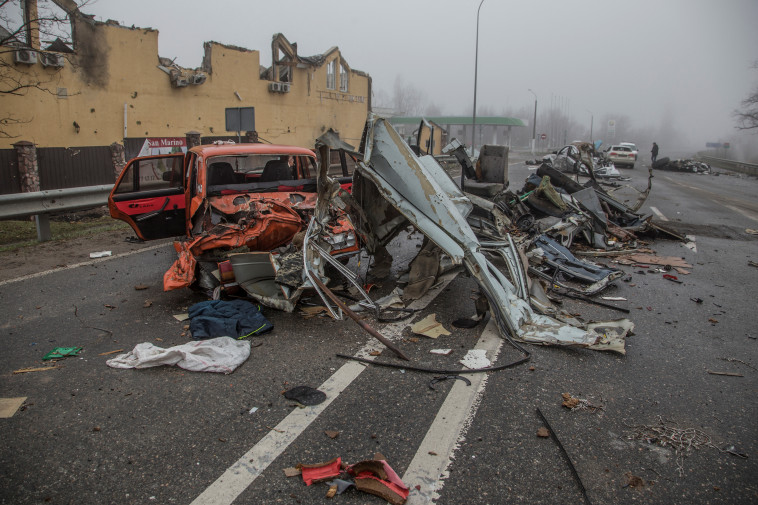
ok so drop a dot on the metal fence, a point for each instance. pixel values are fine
(73, 167)
(9, 179)
(736, 166)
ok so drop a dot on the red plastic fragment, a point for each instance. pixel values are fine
(378, 478)
(321, 471)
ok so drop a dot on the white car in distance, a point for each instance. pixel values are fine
(622, 155)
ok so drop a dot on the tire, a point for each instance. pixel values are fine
(631, 166)
(661, 163)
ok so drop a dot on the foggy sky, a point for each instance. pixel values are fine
(683, 61)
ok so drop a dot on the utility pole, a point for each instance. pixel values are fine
(534, 121)
(476, 70)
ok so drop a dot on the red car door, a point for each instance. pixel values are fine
(149, 195)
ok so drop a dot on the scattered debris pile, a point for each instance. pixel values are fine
(667, 434)
(687, 165)
(274, 241)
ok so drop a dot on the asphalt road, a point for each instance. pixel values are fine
(88, 433)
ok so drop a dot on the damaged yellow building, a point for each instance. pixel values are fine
(112, 85)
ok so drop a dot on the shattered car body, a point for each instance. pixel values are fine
(685, 165)
(394, 187)
(575, 158)
(220, 197)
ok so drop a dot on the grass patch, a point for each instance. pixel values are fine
(17, 234)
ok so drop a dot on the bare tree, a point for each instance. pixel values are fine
(432, 109)
(43, 26)
(747, 118)
(407, 99)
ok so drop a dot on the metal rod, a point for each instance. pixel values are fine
(566, 456)
(594, 302)
(352, 315)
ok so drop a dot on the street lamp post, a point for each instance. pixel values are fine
(592, 122)
(534, 122)
(476, 70)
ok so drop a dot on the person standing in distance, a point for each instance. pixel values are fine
(654, 152)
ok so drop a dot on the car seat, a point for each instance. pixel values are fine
(276, 170)
(220, 174)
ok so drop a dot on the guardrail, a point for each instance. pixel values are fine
(41, 203)
(736, 166)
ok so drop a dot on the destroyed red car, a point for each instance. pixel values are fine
(220, 197)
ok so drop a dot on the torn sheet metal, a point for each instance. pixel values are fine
(611, 335)
(567, 228)
(265, 224)
(553, 254)
(588, 200)
(256, 272)
(616, 212)
(409, 185)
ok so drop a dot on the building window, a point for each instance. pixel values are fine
(343, 78)
(331, 75)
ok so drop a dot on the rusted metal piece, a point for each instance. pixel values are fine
(358, 320)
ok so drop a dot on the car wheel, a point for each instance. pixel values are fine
(631, 166)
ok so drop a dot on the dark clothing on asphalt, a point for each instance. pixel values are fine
(220, 318)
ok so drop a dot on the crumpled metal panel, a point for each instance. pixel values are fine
(410, 187)
(266, 224)
(246, 202)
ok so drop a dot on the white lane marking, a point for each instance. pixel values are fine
(750, 215)
(659, 213)
(83, 264)
(429, 467)
(245, 470)
(691, 243)
(249, 467)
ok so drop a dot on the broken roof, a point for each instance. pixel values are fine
(461, 120)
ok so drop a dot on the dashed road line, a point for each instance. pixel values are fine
(659, 213)
(429, 467)
(718, 200)
(750, 215)
(242, 473)
(690, 244)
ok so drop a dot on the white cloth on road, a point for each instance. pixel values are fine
(222, 354)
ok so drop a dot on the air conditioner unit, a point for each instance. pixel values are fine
(285, 87)
(52, 60)
(181, 82)
(275, 87)
(197, 78)
(26, 56)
